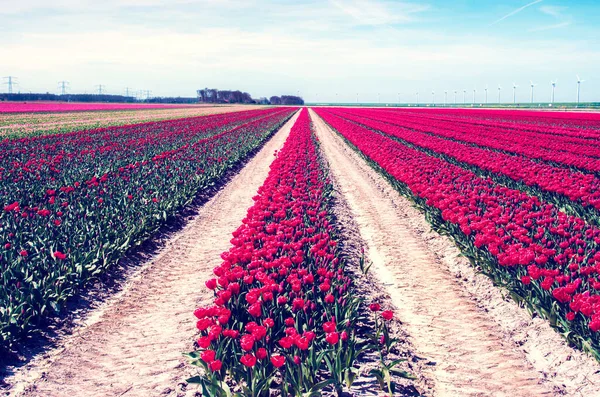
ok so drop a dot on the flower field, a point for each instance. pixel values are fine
(32, 107)
(305, 255)
(515, 118)
(575, 190)
(504, 201)
(76, 202)
(20, 125)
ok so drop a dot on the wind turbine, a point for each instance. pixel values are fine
(514, 93)
(532, 85)
(474, 95)
(455, 96)
(553, 83)
(445, 97)
(433, 98)
(486, 88)
(464, 96)
(499, 89)
(579, 81)
(417, 97)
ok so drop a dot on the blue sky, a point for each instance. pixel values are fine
(324, 49)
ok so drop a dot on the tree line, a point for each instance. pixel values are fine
(286, 100)
(213, 95)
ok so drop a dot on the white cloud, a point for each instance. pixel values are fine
(226, 55)
(550, 27)
(372, 12)
(557, 13)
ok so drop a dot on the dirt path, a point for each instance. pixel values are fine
(133, 347)
(475, 355)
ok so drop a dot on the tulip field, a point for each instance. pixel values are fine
(520, 199)
(291, 306)
(25, 124)
(76, 202)
(39, 107)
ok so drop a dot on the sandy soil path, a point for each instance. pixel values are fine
(133, 348)
(472, 354)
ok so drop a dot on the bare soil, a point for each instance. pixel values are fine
(132, 345)
(370, 289)
(479, 342)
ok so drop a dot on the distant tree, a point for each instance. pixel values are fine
(213, 95)
(236, 96)
(246, 98)
(224, 96)
(291, 100)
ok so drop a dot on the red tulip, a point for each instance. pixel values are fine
(215, 365)
(332, 338)
(286, 342)
(208, 356)
(204, 342)
(248, 360)
(277, 361)
(344, 336)
(329, 326)
(211, 284)
(247, 342)
(261, 353)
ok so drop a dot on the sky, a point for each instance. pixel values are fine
(325, 50)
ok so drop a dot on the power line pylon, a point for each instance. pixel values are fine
(64, 86)
(10, 81)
